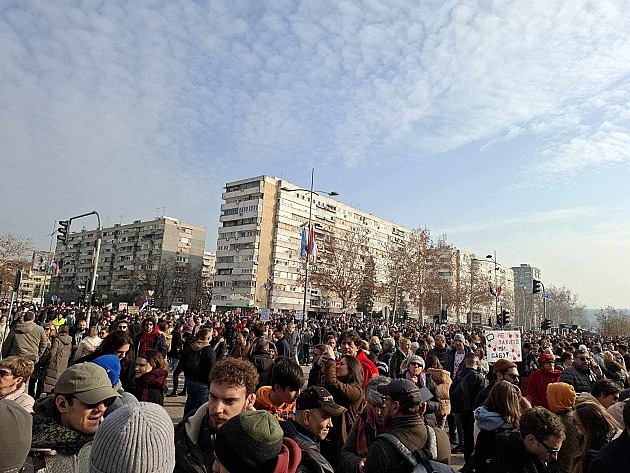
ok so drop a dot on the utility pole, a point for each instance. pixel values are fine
(99, 235)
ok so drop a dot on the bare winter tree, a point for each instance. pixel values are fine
(431, 272)
(399, 257)
(15, 253)
(340, 263)
(613, 321)
(563, 306)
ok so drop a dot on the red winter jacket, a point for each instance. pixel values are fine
(369, 368)
(537, 386)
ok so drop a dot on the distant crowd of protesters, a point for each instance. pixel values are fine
(81, 393)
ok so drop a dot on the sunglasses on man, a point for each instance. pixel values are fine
(550, 451)
(106, 402)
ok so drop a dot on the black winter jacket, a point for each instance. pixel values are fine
(197, 363)
(580, 380)
(312, 459)
(511, 457)
(263, 362)
(412, 432)
(194, 443)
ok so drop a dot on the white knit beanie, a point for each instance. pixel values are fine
(134, 439)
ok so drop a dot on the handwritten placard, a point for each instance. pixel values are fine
(503, 344)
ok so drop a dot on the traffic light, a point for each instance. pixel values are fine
(64, 226)
(547, 324)
(505, 317)
(535, 286)
(96, 299)
(81, 289)
(17, 281)
(444, 316)
(436, 319)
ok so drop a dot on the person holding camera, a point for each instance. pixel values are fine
(582, 373)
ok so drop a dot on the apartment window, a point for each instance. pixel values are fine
(182, 259)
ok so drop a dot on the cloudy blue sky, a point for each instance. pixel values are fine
(503, 124)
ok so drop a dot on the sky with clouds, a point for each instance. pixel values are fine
(504, 124)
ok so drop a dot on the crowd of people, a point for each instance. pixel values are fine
(85, 392)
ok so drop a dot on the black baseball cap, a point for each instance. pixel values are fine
(317, 397)
(403, 391)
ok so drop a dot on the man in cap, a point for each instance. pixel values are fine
(454, 363)
(402, 416)
(65, 422)
(541, 378)
(315, 408)
(254, 442)
(416, 374)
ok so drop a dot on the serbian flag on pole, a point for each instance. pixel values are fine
(143, 304)
(311, 239)
(303, 244)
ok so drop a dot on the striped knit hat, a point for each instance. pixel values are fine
(134, 439)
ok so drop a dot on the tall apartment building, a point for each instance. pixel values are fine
(528, 306)
(258, 247)
(523, 276)
(163, 255)
(258, 260)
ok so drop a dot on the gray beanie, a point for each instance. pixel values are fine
(134, 439)
(16, 430)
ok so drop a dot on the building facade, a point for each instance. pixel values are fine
(162, 255)
(528, 306)
(258, 260)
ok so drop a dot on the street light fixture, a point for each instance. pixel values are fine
(493, 258)
(310, 216)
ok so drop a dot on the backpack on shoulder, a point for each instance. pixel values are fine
(459, 396)
(420, 459)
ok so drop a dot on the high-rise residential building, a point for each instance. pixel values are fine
(207, 277)
(528, 306)
(523, 276)
(164, 255)
(258, 260)
(258, 246)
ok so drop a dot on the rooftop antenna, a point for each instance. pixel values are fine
(159, 212)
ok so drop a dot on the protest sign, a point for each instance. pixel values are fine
(503, 344)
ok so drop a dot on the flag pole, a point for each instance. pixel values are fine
(310, 215)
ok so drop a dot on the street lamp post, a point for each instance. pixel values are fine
(493, 258)
(310, 216)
